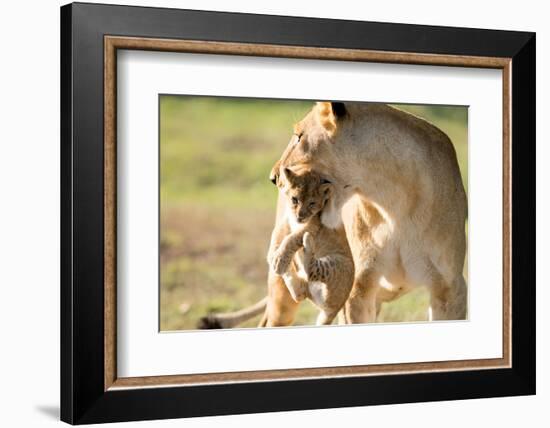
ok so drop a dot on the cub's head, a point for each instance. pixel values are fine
(315, 140)
(306, 192)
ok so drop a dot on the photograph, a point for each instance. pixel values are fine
(278, 212)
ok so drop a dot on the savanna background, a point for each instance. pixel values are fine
(217, 205)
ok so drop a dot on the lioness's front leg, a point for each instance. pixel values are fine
(361, 305)
(281, 307)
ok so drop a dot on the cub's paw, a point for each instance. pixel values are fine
(309, 243)
(279, 264)
(298, 293)
(297, 289)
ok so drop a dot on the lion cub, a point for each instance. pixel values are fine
(314, 260)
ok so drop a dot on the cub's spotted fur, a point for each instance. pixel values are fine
(314, 260)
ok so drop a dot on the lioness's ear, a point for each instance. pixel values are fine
(338, 109)
(274, 174)
(330, 113)
(274, 177)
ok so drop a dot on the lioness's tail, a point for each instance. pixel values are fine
(232, 319)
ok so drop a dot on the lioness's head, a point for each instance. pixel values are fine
(307, 192)
(314, 138)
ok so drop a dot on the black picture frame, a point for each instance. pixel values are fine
(83, 398)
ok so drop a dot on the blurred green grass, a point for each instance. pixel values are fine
(218, 205)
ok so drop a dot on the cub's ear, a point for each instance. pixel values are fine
(288, 175)
(330, 114)
(326, 188)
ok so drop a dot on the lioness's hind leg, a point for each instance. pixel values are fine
(462, 298)
(449, 301)
(341, 317)
(458, 306)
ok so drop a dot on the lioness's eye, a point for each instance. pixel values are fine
(294, 201)
(312, 204)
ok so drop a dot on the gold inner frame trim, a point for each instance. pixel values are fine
(113, 43)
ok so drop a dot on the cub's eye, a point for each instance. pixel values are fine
(312, 205)
(294, 201)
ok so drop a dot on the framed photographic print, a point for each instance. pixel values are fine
(265, 213)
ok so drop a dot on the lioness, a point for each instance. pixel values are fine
(323, 269)
(398, 192)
